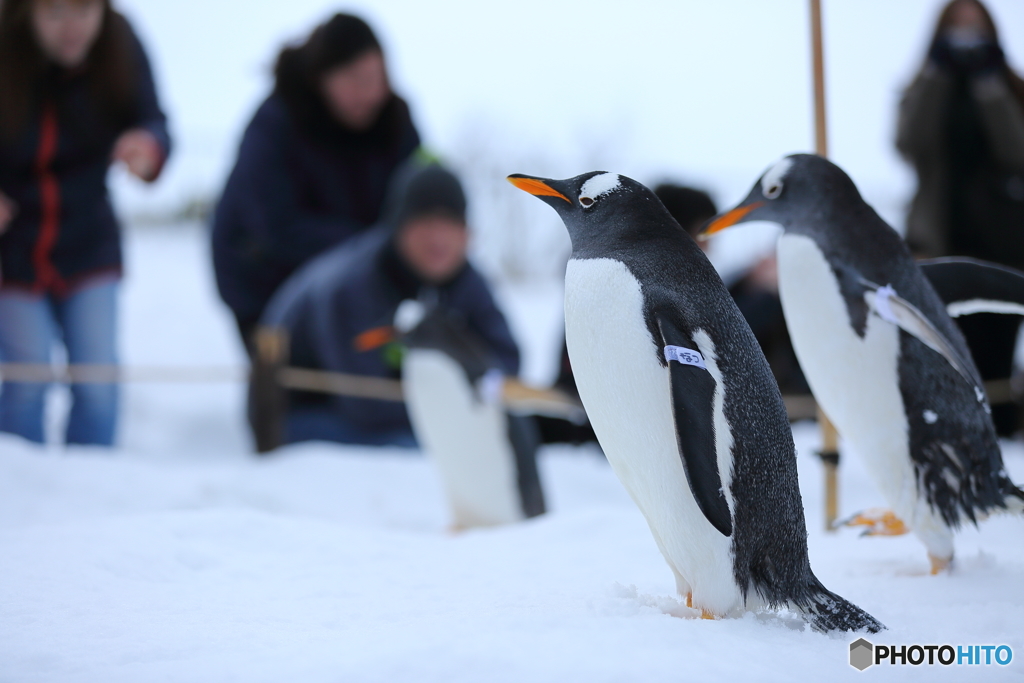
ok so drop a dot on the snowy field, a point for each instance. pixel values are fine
(181, 557)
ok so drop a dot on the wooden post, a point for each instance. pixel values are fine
(829, 437)
(818, 55)
(268, 399)
(829, 455)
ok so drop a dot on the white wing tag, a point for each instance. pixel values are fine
(686, 356)
(893, 309)
(882, 306)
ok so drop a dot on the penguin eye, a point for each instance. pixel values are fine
(586, 201)
(773, 190)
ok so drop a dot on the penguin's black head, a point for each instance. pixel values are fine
(599, 207)
(801, 192)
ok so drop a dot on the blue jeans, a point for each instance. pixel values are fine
(86, 322)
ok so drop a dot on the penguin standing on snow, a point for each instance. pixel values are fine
(880, 352)
(684, 404)
(454, 390)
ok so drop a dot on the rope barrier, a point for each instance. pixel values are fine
(798, 406)
(516, 395)
(106, 374)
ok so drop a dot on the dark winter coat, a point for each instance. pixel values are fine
(301, 185)
(965, 138)
(357, 287)
(56, 173)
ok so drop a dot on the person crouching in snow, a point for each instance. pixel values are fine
(76, 92)
(338, 309)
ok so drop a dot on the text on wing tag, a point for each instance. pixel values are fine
(686, 356)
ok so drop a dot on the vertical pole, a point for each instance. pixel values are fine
(829, 437)
(268, 400)
(818, 55)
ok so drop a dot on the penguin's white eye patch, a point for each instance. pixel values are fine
(771, 183)
(598, 185)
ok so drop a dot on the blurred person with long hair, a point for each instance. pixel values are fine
(76, 93)
(313, 166)
(961, 125)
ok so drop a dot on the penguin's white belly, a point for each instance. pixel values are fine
(855, 379)
(466, 438)
(628, 399)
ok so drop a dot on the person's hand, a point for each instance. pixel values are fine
(7, 210)
(140, 152)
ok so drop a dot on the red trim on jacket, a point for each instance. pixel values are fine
(47, 277)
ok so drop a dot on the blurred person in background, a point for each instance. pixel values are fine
(339, 308)
(76, 92)
(961, 125)
(313, 167)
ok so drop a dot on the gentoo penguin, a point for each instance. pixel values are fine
(453, 390)
(881, 354)
(684, 404)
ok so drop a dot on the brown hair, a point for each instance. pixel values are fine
(110, 66)
(1015, 82)
(340, 40)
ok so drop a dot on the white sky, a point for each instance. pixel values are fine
(709, 92)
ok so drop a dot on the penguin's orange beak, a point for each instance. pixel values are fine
(536, 187)
(374, 338)
(727, 220)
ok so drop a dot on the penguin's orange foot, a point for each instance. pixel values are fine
(704, 614)
(939, 564)
(878, 522)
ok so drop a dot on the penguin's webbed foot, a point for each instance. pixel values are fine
(704, 614)
(939, 564)
(879, 522)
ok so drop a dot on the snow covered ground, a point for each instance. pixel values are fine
(181, 557)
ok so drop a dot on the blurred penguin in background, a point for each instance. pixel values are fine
(339, 309)
(961, 125)
(313, 167)
(455, 390)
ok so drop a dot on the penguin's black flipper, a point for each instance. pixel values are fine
(693, 407)
(970, 286)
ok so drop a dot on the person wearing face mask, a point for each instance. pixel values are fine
(313, 166)
(339, 308)
(961, 125)
(76, 92)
